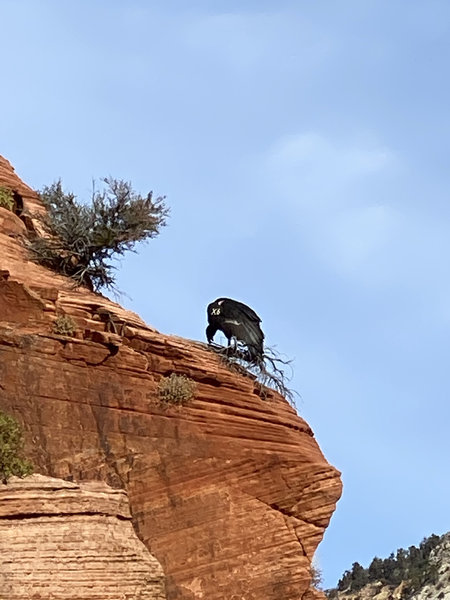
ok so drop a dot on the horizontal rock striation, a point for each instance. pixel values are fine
(230, 492)
(60, 540)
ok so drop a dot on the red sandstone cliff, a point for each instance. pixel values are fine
(230, 493)
(61, 540)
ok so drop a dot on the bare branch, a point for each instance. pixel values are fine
(267, 371)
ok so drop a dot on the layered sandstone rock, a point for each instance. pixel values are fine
(60, 540)
(231, 492)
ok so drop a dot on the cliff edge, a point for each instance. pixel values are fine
(230, 493)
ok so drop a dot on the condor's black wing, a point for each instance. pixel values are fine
(243, 323)
(235, 309)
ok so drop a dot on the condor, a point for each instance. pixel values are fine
(238, 322)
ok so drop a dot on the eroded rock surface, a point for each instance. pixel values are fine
(231, 492)
(60, 540)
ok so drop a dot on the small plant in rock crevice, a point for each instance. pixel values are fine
(6, 198)
(64, 325)
(12, 461)
(176, 389)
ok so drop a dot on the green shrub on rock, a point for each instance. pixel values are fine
(176, 389)
(11, 446)
(6, 198)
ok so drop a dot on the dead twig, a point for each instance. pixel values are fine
(268, 370)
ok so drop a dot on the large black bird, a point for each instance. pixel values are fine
(238, 321)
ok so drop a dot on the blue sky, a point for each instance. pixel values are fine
(303, 148)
